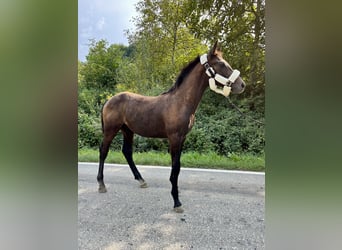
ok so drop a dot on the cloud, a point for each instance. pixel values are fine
(86, 32)
(100, 23)
(103, 19)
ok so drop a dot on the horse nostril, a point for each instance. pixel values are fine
(243, 85)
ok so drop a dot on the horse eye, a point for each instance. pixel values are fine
(222, 66)
(221, 63)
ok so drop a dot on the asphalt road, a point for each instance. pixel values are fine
(223, 209)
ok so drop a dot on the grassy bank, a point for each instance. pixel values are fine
(190, 159)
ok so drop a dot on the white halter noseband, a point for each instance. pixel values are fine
(226, 82)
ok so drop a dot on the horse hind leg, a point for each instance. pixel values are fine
(108, 136)
(127, 150)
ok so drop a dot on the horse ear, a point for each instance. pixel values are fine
(215, 49)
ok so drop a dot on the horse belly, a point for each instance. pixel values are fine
(146, 120)
(148, 127)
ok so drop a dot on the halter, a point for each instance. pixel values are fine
(226, 82)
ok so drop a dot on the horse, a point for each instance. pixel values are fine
(169, 115)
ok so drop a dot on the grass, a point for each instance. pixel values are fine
(189, 159)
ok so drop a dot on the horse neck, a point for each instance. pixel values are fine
(193, 87)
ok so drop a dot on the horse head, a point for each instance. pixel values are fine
(221, 73)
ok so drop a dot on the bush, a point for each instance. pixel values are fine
(198, 141)
(143, 144)
(227, 131)
(221, 133)
(89, 131)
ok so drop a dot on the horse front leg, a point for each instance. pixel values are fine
(175, 156)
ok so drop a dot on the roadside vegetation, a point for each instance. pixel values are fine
(189, 159)
(167, 35)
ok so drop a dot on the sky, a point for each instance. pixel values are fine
(103, 19)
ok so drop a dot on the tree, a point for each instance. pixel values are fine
(168, 35)
(240, 27)
(99, 70)
(97, 80)
(164, 43)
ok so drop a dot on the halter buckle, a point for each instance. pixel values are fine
(209, 70)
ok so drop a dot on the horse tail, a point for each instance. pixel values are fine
(102, 122)
(102, 125)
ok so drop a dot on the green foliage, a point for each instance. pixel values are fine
(98, 78)
(240, 27)
(168, 35)
(89, 131)
(163, 43)
(198, 140)
(143, 144)
(99, 71)
(227, 131)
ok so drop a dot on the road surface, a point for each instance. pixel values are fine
(223, 209)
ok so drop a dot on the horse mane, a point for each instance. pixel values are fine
(183, 74)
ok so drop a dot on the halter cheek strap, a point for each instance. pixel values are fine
(226, 82)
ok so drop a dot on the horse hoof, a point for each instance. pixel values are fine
(102, 189)
(143, 184)
(178, 209)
